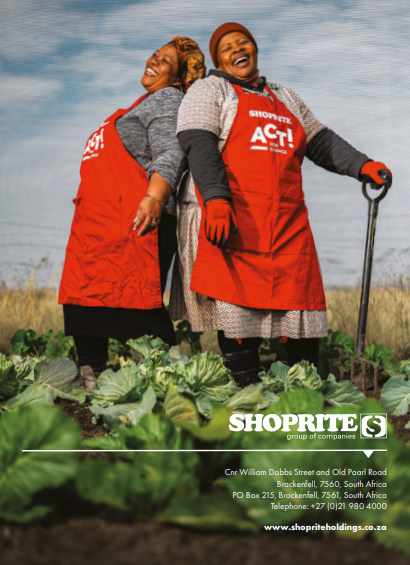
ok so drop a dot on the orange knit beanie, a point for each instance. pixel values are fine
(222, 30)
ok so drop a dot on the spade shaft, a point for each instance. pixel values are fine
(368, 258)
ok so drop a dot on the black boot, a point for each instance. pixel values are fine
(244, 366)
(303, 349)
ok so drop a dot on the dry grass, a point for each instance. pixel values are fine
(388, 321)
(28, 308)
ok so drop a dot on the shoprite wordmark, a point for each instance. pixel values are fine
(372, 426)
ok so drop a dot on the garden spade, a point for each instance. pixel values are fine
(367, 275)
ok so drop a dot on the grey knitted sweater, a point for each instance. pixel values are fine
(148, 132)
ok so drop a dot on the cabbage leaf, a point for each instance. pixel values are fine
(22, 475)
(117, 416)
(52, 380)
(395, 396)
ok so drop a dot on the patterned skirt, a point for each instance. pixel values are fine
(237, 322)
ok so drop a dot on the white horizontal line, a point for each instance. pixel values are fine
(179, 450)
(259, 147)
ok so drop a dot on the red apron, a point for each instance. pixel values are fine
(106, 263)
(272, 262)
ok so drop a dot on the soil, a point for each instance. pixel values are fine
(90, 541)
(81, 414)
(399, 423)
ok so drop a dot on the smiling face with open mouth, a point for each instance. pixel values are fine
(237, 55)
(161, 69)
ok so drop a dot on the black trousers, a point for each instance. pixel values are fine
(93, 351)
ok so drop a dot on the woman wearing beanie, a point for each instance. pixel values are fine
(123, 235)
(247, 259)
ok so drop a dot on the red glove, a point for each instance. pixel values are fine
(219, 222)
(371, 173)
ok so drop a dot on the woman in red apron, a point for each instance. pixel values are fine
(123, 233)
(248, 264)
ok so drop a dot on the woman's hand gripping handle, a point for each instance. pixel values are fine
(377, 174)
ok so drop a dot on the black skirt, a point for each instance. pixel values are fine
(129, 323)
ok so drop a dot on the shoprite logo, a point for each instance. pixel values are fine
(267, 136)
(371, 425)
(94, 143)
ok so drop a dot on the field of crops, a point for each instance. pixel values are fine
(145, 454)
(388, 322)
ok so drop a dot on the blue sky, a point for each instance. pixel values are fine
(67, 65)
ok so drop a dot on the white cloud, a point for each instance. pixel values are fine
(105, 72)
(16, 90)
(34, 28)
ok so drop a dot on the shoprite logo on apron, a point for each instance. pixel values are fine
(95, 142)
(269, 136)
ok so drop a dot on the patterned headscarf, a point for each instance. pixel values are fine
(190, 60)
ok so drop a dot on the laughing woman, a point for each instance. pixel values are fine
(123, 233)
(247, 260)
